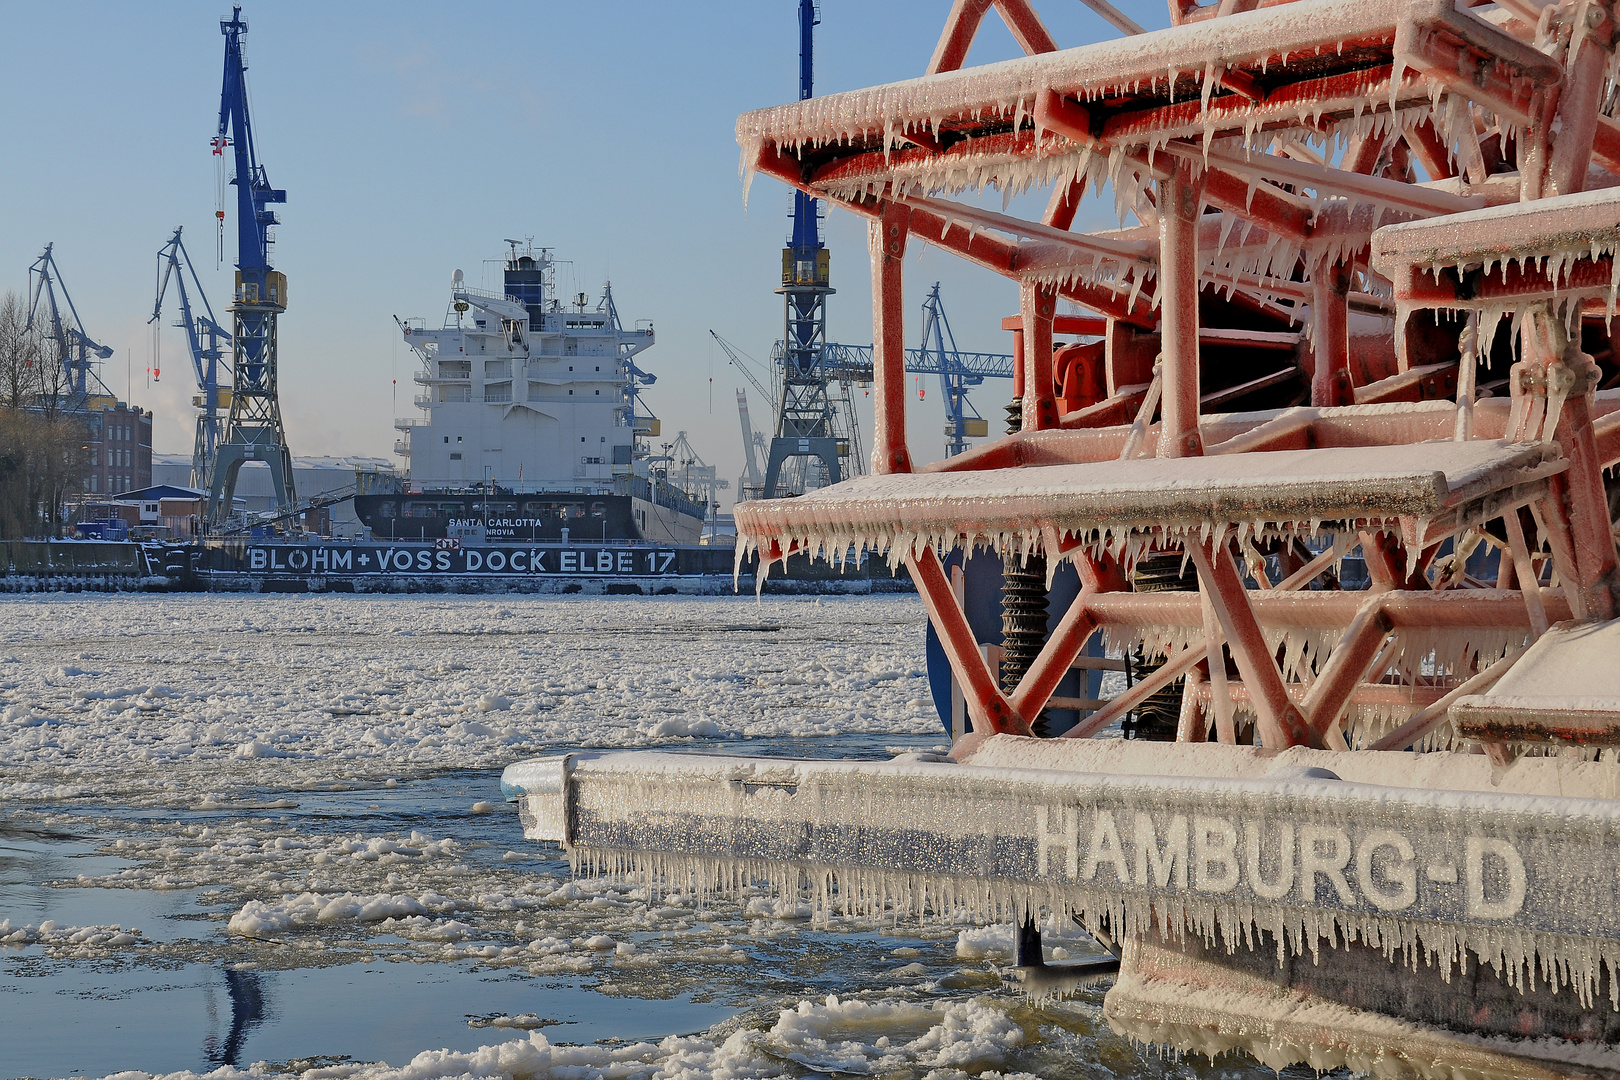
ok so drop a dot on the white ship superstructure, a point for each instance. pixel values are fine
(526, 394)
(524, 391)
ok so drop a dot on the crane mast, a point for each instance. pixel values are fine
(206, 341)
(806, 425)
(253, 430)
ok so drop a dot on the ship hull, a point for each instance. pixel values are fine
(526, 518)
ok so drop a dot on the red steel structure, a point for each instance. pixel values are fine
(1362, 298)
(1403, 213)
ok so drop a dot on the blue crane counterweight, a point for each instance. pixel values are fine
(254, 430)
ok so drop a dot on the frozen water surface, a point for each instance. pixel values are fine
(245, 829)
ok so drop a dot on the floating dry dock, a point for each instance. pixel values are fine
(1384, 832)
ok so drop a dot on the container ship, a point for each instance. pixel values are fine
(531, 429)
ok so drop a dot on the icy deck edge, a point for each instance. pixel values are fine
(1527, 882)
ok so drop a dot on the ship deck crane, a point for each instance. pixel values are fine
(206, 340)
(76, 351)
(254, 431)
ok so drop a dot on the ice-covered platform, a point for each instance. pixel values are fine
(1565, 690)
(1443, 485)
(1558, 248)
(1250, 858)
(1225, 75)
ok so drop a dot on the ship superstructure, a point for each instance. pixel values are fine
(526, 395)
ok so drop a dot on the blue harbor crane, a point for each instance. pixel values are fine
(815, 422)
(253, 430)
(807, 423)
(76, 351)
(958, 371)
(206, 340)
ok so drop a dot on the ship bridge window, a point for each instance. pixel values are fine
(387, 508)
(420, 510)
(598, 509)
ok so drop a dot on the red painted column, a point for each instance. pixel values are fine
(1036, 302)
(1180, 201)
(1330, 318)
(886, 236)
(1571, 153)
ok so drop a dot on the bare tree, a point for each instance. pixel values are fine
(44, 449)
(20, 354)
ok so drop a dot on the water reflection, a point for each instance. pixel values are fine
(246, 991)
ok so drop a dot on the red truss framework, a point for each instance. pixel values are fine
(1360, 199)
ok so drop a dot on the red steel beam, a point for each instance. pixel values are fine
(1579, 103)
(1515, 283)
(1330, 312)
(1026, 26)
(1346, 666)
(1582, 495)
(1278, 719)
(1038, 305)
(957, 38)
(986, 704)
(1432, 152)
(1488, 609)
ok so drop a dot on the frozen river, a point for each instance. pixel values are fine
(268, 829)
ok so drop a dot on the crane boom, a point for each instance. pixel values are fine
(739, 361)
(751, 480)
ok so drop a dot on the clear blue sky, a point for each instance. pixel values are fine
(413, 137)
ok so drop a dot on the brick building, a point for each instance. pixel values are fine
(120, 447)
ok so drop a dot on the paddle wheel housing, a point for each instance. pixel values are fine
(1384, 231)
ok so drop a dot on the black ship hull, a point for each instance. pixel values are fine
(510, 517)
